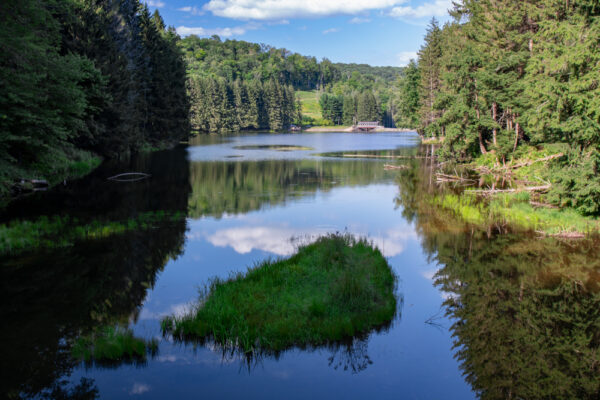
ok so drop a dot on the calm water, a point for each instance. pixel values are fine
(488, 313)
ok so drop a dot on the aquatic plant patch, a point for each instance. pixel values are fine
(332, 289)
(113, 346)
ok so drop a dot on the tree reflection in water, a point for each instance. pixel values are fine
(525, 308)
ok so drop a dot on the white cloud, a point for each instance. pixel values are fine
(405, 57)
(283, 241)
(192, 10)
(139, 388)
(437, 8)
(274, 9)
(244, 240)
(224, 32)
(156, 3)
(358, 20)
(330, 30)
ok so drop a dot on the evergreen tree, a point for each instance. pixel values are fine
(429, 68)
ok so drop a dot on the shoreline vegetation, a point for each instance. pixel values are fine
(522, 128)
(515, 193)
(63, 231)
(330, 290)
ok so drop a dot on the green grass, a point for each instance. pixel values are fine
(56, 231)
(515, 209)
(113, 345)
(329, 290)
(310, 103)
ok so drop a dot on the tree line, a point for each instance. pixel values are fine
(235, 60)
(100, 75)
(508, 74)
(220, 106)
(240, 60)
(351, 108)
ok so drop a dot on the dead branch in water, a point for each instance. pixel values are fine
(522, 189)
(564, 235)
(506, 169)
(440, 177)
(393, 167)
(525, 164)
(380, 156)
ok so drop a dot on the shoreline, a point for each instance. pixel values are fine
(343, 128)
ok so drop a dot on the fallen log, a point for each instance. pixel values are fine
(525, 164)
(129, 177)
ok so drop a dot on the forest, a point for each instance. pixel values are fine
(82, 79)
(223, 73)
(506, 78)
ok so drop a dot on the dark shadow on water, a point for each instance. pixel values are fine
(50, 298)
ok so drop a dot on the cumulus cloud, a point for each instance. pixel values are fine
(224, 32)
(437, 8)
(283, 241)
(156, 3)
(405, 57)
(358, 20)
(244, 240)
(330, 30)
(192, 10)
(275, 9)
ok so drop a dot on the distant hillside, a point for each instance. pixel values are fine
(386, 73)
(237, 59)
(226, 77)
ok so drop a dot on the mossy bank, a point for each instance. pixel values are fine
(332, 289)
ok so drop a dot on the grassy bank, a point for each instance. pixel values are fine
(56, 231)
(518, 210)
(54, 168)
(111, 346)
(332, 289)
(528, 203)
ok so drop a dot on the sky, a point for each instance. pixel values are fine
(376, 32)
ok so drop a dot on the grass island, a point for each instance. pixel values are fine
(332, 289)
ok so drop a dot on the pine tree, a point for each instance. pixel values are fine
(429, 68)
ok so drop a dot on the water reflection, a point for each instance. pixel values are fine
(221, 188)
(51, 297)
(526, 309)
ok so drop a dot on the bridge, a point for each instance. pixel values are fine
(366, 126)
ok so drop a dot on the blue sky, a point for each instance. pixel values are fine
(376, 32)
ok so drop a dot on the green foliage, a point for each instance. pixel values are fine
(510, 73)
(409, 98)
(112, 345)
(234, 60)
(57, 231)
(332, 289)
(102, 76)
(219, 106)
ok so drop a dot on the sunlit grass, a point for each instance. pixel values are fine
(332, 289)
(515, 209)
(310, 103)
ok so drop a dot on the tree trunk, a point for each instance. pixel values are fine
(494, 117)
(481, 144)
(516, 136)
